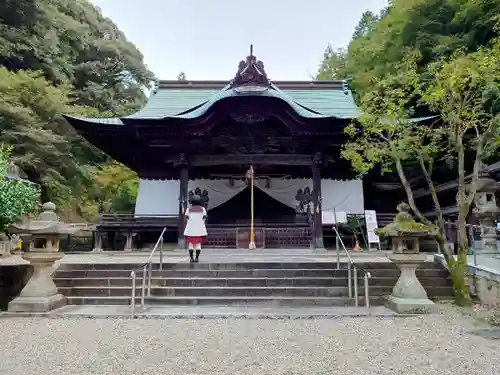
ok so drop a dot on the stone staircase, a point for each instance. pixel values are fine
(286, 284)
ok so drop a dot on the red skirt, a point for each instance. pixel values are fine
(195, 240)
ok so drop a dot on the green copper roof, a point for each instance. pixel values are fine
(253, 91)
(325, 102)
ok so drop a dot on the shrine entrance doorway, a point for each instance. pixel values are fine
(276, 225)
(267, 210)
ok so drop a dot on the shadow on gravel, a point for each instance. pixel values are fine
(488, 333)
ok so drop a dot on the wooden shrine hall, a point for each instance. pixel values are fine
(201, 137)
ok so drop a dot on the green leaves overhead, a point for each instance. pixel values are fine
(56, 57)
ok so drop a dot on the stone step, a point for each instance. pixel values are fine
(248, 281)
(206, 266)
(240, 266)
(210, 291)
(226, 301)
(381, 272)
(217, 291)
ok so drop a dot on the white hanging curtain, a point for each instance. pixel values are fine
(283, 190)
(346, 196)
(219, 191)
(157, 197)
(161, 197)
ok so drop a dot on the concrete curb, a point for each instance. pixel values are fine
(198, 316)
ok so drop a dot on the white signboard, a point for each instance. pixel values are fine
(371, 225)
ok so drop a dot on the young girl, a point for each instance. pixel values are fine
(195, 230)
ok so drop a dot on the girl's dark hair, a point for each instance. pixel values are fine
(195, 200)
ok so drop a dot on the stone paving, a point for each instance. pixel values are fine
(447, 343)
(217, 256)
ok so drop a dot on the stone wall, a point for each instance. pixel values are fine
(484, 282)
(485, 286)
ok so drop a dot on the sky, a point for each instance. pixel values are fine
(206, 39)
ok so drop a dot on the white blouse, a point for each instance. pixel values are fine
(195, 226)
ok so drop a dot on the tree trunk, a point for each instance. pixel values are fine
(442, 243)
(459, 269)
(458, 272)
(409, 193)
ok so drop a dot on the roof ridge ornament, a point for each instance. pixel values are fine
(251, 72)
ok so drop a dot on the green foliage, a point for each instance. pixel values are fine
(17, 197)
(334, 64)
(56, 57)
(385, 133)
(433, 28)
(114, 185)
(463, 88)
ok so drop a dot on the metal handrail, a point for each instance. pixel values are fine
(147, 266)
(351, 278)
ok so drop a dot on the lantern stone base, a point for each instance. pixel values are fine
(408, 295)
(37, 304)
(40, 293)
(411, 305)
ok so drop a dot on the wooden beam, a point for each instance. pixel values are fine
(258, 159)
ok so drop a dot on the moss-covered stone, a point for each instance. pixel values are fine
(405, 225)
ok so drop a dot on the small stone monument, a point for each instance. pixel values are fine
(486, 211)
(40, 293)
(408, 295)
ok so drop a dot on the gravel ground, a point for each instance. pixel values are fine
(438, 344)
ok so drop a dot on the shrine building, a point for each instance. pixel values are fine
(201, 137)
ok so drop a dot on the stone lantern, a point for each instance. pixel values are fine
(486, 211)
(40, 293)
(408, 295)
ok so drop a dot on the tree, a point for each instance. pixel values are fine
(334, 64)
(433, 28)
(465, 90)
(115, 185)
(365, 25)
(60, 56)
(29, 119)
(17, 198)
(387, 137)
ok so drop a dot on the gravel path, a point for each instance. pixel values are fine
(438, 344)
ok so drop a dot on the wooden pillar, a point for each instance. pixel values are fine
(317, 217)
(183, 200)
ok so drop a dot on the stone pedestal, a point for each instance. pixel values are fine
(486, 211)
(488, 232)
(98, 243)
(40, 293)
(128, 242)
(408, 295)
(4, 248)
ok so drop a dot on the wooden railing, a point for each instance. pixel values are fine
(131, 220)
(267, 237)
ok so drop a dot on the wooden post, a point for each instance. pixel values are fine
(251, 244)
(317, 216)
(183, 202)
